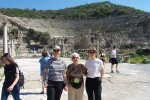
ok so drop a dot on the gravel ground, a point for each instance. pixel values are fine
(133, 83)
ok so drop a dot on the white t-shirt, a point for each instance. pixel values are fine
(94, 67)
(113, 54)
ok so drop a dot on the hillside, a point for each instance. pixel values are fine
(88, 11)
(109, 23)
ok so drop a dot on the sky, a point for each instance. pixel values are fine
(60, 4)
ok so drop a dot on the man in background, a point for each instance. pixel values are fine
(114, 60)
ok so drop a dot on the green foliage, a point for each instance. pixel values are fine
(45, 38)
(42, 38)
(128, 46)
(13, 34)
(30, 33)
(144, 51)
(38, 37)
(135, 58)
(94, 10)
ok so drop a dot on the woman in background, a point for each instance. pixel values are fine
(43, 62)
(11, 73)
(102, 56)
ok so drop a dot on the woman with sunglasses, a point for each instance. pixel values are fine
(11, 73)
(95, 73)
(75, 73)
(56, 68)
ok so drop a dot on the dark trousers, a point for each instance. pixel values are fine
(15, 92)
(54, 90)
(93, 88)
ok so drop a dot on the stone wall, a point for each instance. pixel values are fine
(110, 31)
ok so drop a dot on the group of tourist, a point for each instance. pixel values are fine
(71, 77)
(56, 76)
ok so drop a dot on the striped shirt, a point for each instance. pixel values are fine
(56, 68)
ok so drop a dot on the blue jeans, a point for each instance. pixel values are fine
(15, 92)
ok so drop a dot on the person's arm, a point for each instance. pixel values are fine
(101, 69)
(65, 81)
(102, 72)
(65, 78)
(44, 78)
(86, 68)
(16, 72)
(14, 83)
(104, 56)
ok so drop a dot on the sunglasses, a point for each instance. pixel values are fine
(91, 52)
(75, 57)
(56, 50)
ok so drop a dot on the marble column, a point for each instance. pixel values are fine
(12, 48)
(5, 46)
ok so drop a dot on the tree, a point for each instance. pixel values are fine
(38, 37)
(14, 32)
(45, 39)
(30, 31)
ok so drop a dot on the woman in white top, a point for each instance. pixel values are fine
(95, 73)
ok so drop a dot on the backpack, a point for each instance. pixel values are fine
(21, 80)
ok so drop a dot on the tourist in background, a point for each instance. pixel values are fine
(95, 73)
(114, 60)
(75, 81)
(56, 76)
(11, 73)
(102, 56)
(43, 62)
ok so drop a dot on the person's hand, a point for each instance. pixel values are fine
(9, 89)
(66, 88)
(45, 84)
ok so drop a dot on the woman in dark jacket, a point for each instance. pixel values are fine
(11, 73)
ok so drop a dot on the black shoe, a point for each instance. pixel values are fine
(112, 71)
(117, 71)
(42, 92)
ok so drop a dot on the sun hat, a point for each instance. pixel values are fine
(57, 47)
(92, 48)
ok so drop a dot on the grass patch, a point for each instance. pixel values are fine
(138, 59)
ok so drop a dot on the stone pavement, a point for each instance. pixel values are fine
(114, 85)
(30, 68)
